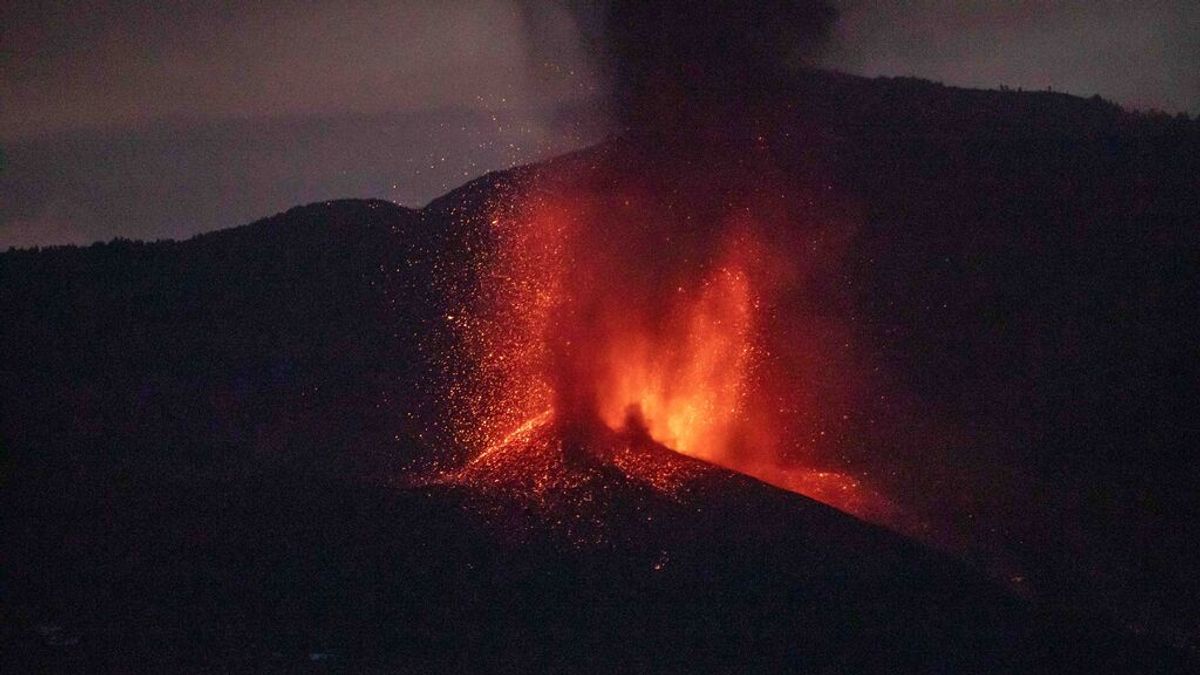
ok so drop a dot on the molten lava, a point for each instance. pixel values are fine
(686, 388)
(607, 319)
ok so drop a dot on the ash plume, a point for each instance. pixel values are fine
(639, 288)
(680, 54)
(677, 284)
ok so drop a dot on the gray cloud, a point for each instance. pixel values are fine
(170, 180)
(156, 118)
(147, 61)
(1140, 54)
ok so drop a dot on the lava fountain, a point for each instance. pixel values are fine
(670, 289)
(687, 389)
(616, 302)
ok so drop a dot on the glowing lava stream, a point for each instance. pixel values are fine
(527, 428)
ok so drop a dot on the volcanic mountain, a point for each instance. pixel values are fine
(319, 438)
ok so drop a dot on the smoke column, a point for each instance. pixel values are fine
(679, 281)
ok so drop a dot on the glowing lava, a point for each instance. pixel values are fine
(609, 323)
(687, 389)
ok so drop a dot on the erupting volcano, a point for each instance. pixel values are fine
(635, 301)
(779, 370)
(682, 285)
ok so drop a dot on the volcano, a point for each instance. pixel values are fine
(898, 377)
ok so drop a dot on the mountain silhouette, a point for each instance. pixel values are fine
(230, 451)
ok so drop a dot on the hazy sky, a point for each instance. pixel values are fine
(1140, 53)
(164, 118)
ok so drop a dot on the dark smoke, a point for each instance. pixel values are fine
(668, 57)
(696, 216)
(697, 86)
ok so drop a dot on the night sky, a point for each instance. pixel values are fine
(164, 119)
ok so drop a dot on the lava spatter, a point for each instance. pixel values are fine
(610, 328)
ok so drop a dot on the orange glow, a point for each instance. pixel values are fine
(601, 322)
(685, 388)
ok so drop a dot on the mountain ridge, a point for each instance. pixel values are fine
(168, 404)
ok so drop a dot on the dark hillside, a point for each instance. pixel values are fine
(1029, 265)
(197, 342)
(208, 444)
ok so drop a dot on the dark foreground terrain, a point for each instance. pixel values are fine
(212, 448)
